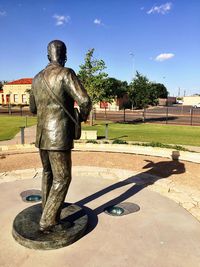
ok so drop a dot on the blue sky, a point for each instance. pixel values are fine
(160, 39)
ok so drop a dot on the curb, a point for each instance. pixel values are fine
(115, 148)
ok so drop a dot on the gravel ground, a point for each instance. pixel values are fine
(181, 172)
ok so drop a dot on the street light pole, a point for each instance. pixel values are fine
(9, 104)
(133, 66)
(133, 62)
(164, 80)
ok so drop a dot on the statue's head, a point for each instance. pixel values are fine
(57, 52)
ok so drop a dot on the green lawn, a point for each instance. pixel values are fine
(167, 134)
(9, 125)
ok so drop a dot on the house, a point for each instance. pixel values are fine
(16, 92)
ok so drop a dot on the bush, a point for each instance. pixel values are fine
(92, 141)
(118, 141)
(158, 144)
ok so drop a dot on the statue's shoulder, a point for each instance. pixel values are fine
(68, 71)
(38, 76)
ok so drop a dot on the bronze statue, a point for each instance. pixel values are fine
(55, 128)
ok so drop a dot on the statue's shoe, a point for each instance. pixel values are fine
(47, 229)
(55, 228)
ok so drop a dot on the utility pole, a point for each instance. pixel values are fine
(179, 92)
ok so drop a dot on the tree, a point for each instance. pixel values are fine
(92, 77)
(113, 88)
(142, 92)
(2, 84)
(139, 90)
(157, 90)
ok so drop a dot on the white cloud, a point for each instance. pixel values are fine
(162, 9)
(61, 20)
(98, 22)
(3, 13)
(164, 56)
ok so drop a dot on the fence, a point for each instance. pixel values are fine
(15, 110)
(184, 115)
(181, 115)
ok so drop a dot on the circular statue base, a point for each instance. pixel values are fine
(71, 227)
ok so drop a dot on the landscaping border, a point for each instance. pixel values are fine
(115, 148)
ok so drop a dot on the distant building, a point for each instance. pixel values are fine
(16, 92)
(191, 100)
(167, 101)
(117, 104)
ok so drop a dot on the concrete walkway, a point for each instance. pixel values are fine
(160, 234)
(29, 133)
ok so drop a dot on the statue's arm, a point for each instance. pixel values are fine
(32, 104)
(78, 93)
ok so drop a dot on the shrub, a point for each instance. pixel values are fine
(158, 144)
(92, 141)
(118, 141)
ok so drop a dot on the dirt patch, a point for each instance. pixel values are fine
(181, 172)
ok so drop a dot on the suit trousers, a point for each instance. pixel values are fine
(55, 183)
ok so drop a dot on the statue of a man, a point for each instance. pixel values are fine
(54, 136)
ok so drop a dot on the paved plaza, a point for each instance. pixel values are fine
(161, 233)
(164, 232)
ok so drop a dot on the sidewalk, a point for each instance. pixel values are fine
(29, 133)
(161, 233)
(182, 183)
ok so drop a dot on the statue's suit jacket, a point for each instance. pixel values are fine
(54, 127)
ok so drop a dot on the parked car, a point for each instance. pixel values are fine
(196, 105)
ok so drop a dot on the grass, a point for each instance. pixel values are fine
(166, 134)
(155, 133)
(9, 125)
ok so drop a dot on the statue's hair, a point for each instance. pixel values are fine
(56, 50)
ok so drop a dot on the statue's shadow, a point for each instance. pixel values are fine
(92, 217)
(156, 171)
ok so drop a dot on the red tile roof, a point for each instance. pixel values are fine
(22, 81)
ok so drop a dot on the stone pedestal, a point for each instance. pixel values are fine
(71, 227)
